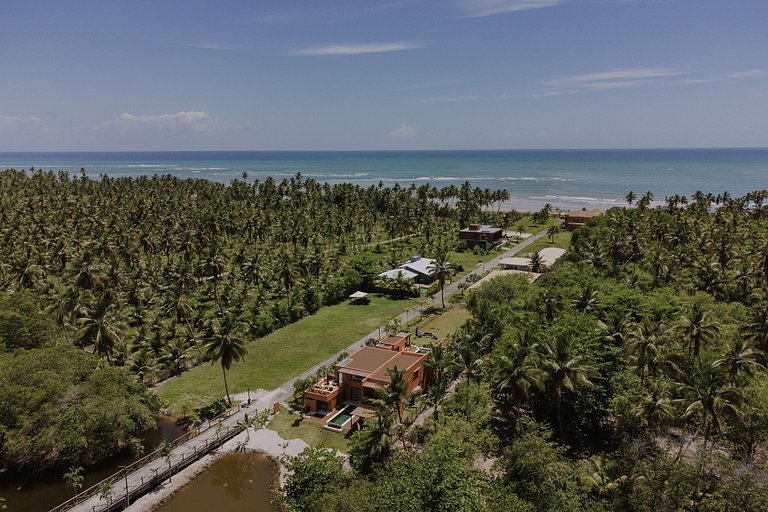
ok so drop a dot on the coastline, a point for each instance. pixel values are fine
(567, 179)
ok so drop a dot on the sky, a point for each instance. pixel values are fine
(132, 75)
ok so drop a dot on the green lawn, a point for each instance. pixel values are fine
(469, 260)
(562, 240)
(444, 324)
(284, 353)
(291, 426)
(529, 227)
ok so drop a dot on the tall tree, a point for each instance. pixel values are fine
(564, 372)
(443, 270)
(226, 346)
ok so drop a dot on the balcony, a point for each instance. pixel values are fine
(324, 389)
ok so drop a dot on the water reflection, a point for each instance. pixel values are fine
(42, 492)
(236, 482)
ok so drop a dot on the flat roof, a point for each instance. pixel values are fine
(531, 276)
(482, 229)
(401, 361)
(367, 359)
(549, 255)
(516, 260)
(392, 339)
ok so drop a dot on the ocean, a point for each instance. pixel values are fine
(564, 178)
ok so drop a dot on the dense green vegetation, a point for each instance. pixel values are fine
(150, 277)
(631, 377)
(59, 407)
(137, 269)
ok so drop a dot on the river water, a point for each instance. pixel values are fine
(236, 482)
(40, 493)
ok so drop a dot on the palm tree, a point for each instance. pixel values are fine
(212, 267)
(375, 440)
(648, 349)
(226, 346)
(166, 450)
(550, 304)
(253, 422)
(552, 232)
(442, 269)
(630, 197)
(757, 329)
(698, 329)
(616, 327)
(437, 392)
(656, 408)
(100, 327)
(515, 375)
(562, 371)
(740, 360)
(286, 273)
(396, 396)
(711, 397)
(466, 360)
(587, 300)
(537, 262)
(74, 478)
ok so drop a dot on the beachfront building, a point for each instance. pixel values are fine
(417, 270)
(479, 234)
(576, 219)
(549, 255)
(356, 378)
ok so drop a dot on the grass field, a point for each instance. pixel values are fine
(562, 240)
(284, 353)
(469, 260)
(291, 426)
(444, 324)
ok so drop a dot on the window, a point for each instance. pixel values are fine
(354, 394)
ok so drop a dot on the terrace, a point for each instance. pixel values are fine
(322, 395)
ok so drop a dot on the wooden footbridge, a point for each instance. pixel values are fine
(119, 490)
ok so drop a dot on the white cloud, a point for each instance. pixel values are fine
(748, 74)
(20, 122)
(357, 48)
(483, 8)
(211, 46)
(623, 74)
(170, 123)
(449, 99)
(404, 132)
(623, 78)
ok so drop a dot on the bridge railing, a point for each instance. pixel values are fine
(113, 479)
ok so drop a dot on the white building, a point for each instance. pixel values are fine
(416, 269)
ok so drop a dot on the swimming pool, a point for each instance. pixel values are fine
(340, 420)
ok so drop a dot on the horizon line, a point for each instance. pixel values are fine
(420, 150)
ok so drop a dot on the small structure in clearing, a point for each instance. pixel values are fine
(359, 298)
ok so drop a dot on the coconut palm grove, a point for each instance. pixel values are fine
(631, 376)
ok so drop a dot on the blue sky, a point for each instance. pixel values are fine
(413, 74)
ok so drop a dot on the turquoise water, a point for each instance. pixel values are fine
(564, 178)
(340, 419)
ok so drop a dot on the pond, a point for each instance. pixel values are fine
(236, 482)
(42, 492)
